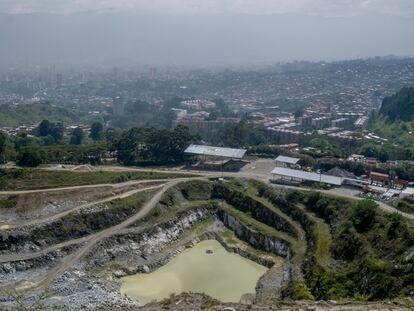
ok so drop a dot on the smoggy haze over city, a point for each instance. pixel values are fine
(179, 32)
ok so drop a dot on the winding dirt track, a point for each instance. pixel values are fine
(91, 241)
(118, 185)
(64, 213)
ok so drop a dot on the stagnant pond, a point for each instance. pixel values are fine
(206, 268)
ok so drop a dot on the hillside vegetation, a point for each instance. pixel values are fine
(329, 248)
(372, 250)
(353, 249)
(34, 113)
(399, 106)
(394, 121)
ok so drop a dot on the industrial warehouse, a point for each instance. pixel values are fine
(215, 158)
(287, 175)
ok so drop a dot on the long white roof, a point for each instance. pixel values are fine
(408, 191)
(288, 160)
(332, 180)
(216, 151)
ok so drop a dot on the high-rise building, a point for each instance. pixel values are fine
(118, 106)
(59, 80)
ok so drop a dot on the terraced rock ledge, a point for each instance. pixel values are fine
(315, 246)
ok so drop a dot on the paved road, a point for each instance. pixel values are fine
(266, 177)
(382, 205)
(334, 192)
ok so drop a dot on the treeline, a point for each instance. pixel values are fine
(399, 106)
(368, 248)
(138, 145)
(258, 141)
(141, 145)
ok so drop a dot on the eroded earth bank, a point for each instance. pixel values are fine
(314, 246)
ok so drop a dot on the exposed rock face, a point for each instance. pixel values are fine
(17, 271)
(72, 226)
(259, 211)
(258, 240)
(139, 250)
(133, 250)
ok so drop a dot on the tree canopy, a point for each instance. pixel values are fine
(139, 145)
(47, 128)
(399, 106)
(77, 136)
(96, 131)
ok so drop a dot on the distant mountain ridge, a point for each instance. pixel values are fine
(399, 106)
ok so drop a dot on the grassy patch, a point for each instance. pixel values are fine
(253, 223)
(201, 227)
(196, 190)
(112, 266)
(405, 205)
(253, 193)
(323, 241)
(228, 237)
(10, 202)
(130, 202)
(28, 179)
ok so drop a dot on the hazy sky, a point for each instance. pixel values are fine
(311, 7)
(202, 32)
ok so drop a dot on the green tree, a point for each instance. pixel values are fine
(153, 145)
(347, 243)
(48, 140)
(77, 136)
(96, 131)
(363, 214)
(298, 113)
(235, 134)
(3, 140)
(92, 153)
(131, 146)
(30, 156)
(44, 128)
(47, 128)
(399, 106)
(180, 139)
(57, 131)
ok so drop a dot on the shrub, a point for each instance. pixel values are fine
(297, 291)
(347, 243)
(363, 214)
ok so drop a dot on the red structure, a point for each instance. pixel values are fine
(380, 178)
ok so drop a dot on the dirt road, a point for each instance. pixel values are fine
(45, 279)
(90, 241)
(118, 185)
(64, 213)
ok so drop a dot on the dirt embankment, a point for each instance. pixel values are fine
(19, 208)
(188, 301)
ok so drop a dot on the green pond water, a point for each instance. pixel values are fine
(221, 275)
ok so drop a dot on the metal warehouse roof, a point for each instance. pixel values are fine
(408, 191)
(288, 160)
(332, 180)
(216, 151)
